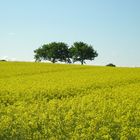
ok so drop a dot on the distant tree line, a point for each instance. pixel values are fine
(60, 51)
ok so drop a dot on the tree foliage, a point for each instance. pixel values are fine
(55, 51)
(81, 51)
(59, 51)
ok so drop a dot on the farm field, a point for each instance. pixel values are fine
(59, 102)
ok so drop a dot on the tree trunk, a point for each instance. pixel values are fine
(53, 61)
(82, 62)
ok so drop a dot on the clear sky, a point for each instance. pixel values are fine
(111, 26)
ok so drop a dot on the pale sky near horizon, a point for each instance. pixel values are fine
(111, 26)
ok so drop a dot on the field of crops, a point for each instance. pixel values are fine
(52, 101)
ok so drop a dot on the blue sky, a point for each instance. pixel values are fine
(111, 26)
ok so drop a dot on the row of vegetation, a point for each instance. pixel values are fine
(60, 51)
(68, 102)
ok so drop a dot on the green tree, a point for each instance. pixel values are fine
(39, 54)
(55, 51)
(81, 51)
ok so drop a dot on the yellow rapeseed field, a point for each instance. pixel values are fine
(43, 101)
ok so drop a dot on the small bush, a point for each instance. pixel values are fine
(111, 65)
(3, 60)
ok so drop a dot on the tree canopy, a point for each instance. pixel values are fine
(59, 51)
(81, 51)
(55, 51)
